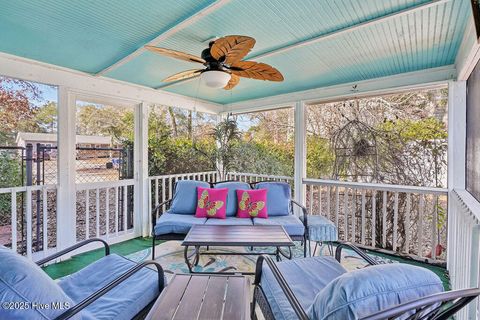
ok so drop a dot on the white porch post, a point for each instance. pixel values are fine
(141, 220)
(300, 162)
(457, 122)
(66, 193)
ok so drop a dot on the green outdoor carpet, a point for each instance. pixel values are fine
(82, 260)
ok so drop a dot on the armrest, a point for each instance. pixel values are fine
(90, 299)
(157, 208)
(341, 245)
(304, 210)
(74, 247)
(297, 307)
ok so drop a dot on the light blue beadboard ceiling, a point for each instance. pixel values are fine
(92, 35)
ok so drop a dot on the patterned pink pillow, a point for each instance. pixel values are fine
(252, 203)
(211, 203)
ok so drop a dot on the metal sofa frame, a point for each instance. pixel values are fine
(156, 213)
(440, 306)
(101, 292)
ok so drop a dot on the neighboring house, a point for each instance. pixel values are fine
(50, 140)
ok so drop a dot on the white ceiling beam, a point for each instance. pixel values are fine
(164, 35)
(415, 80)
(469, 52)
(87, 85)
(335, 33)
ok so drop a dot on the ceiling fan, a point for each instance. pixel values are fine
(223, 63)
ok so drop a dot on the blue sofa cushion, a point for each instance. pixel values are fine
(278, 198)
(122, 302)
(230, 221)
(176, 223)
(185, 196)
(21, 280)
(292, 224)
(306, 277)
(321, 229)
(232, 201)
(362, 292)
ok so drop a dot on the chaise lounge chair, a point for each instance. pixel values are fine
(113, 287)
(320, 288)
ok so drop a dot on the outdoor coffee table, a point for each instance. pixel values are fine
(203, 297)
(235, 236)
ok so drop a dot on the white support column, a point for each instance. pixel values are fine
(141, 220)
(300, 162)
(457, 122)
(66, 194)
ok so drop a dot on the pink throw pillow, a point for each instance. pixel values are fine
(252, 203)
(211, 203)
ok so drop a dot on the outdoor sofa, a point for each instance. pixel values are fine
(112, 287)
(321, 288)
(175, 221)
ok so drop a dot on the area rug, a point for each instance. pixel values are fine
(170, 255)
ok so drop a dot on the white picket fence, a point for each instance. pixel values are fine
(404, 219)
(104, 205)
(24, 200)
(464, 247)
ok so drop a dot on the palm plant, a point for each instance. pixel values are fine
(226, 134)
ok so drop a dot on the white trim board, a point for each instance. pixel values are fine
(386, 85)
(469, 53)
(31, 70)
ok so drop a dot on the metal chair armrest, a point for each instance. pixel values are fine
(72, 248)
(439, 306)
(155, 211)
(366, 257)
(304, 210)
(297, 307)
(93, 297)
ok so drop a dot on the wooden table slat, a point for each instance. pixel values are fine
(192, 299)
(213, 302)
(236, 290)
(167, 303)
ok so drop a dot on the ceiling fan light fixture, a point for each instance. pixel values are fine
(215, 78)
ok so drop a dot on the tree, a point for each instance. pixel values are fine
(16, 108)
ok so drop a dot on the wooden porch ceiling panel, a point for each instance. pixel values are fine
(314, 43)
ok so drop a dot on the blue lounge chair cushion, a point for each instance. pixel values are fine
(306, 277)
(22, 281)
(362, 292)
(232, 201)
(185, 196)
(122, 302)
(278, 198)
(292, 224)
(176, 223)
(230, 221)
(321, 229)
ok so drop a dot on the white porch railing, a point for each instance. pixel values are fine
(105, 210)
(403, 219)
(464, 247)
(252, 177)
(25, 204)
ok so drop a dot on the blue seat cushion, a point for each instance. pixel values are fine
(122, 302)
(321, 229)
(21, 280)
(232, 201)
(362, 292)
(185, 196)
(230, 221)
(176, 223)
(306, 277)
(278, 198)
(292, 224)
